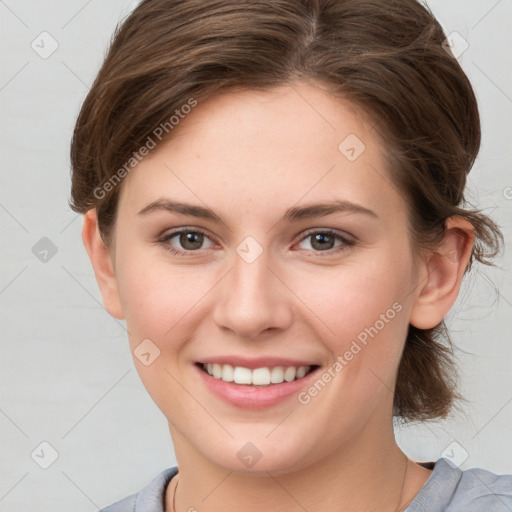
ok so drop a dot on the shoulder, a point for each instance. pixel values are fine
(482, 490)
(149, 498)
(473, 490)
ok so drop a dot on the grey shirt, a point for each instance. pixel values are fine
(448, 489)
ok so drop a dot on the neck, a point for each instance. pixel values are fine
(365, 475)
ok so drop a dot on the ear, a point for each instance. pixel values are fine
(442, 273)
(101, 259)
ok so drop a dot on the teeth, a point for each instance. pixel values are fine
(261, 377)
(277, 375)
(242, 375)
(301, 371)
(289, 374)
(227, 372)
(258, 377)
(217, 370)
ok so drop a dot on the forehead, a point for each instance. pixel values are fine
(262, 150)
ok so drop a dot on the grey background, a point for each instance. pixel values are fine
(67, 377)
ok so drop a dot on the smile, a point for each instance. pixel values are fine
(258, 382)
(264, 376)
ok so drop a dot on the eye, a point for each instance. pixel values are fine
(187, 239)
(326, 240)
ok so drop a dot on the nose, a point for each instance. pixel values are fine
(252, 300)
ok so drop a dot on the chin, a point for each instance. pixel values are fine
(261, 456)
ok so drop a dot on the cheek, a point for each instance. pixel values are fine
(362, 313)
(159, 298)
(160, 303)
(349, 299)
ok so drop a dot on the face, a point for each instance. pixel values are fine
(266, 242)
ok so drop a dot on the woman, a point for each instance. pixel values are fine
(273, 200)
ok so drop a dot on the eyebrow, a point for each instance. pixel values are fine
(297, 213)
(293, 214)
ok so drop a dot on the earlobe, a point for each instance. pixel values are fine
(442, 274)
(101, 259)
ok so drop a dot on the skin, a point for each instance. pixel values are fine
(249, 156)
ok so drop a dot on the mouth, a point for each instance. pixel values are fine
(260, 377)
(255, 383)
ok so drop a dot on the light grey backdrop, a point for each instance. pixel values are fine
(67, 378)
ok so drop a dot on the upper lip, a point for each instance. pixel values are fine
(256, 362)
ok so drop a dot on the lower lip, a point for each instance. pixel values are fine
(254, 397)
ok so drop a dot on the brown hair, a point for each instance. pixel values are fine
(385, 55)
